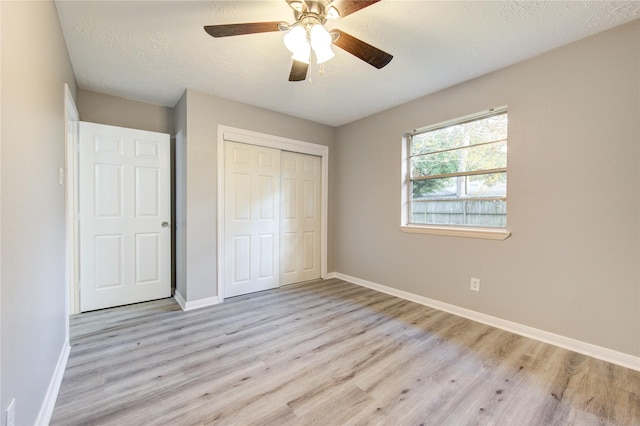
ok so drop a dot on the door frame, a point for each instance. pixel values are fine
(232, 134)
(71, 118)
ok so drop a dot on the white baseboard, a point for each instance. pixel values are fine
(46, 410)
(330, 276)
(614, 357)
(195, 304)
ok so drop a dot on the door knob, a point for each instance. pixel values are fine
(164, 224)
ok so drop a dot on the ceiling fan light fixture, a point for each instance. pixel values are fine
(296, 38)
(303, 54)
(319, 36)
(324, 55)
(321, 43)
(333, 13)
(297, 42)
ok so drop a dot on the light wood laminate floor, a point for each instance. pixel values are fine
(326, 353)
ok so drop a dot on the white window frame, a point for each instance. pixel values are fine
(447, 230)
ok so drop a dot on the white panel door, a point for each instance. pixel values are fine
(252, 216)
(125, 214)
(300, 218)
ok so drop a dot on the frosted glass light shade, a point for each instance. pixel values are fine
(320, 37)
(324, 55)
(321, 43)
(300, 43)
(295, 38)
(302, 54)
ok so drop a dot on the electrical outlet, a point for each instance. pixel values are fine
(475, 284)
(11, 414)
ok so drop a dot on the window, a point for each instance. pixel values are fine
(456, 173)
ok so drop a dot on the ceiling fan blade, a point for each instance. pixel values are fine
(368, 53)
(227, 30)
(347, 7)
(298, 71)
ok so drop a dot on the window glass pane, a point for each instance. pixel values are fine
(481, 157)
(473, 149)
(475, 186)
(488, 129)
(488, 213)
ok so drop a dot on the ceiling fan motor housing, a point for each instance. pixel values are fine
(318, 7)
(310, 11)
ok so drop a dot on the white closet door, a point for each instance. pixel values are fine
(125, 212)
(300, 223)
(252, 218)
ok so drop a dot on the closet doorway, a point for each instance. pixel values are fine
(272, 197)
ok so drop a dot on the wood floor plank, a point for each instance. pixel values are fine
(327, 353)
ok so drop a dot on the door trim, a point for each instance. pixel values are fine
(226, 133)
(71, 118)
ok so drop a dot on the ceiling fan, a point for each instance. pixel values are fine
(308, 34)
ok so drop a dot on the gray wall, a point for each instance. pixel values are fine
(35, 66)
(571, 266)
(116, 111)
(198, 177)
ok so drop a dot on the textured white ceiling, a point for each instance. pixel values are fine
(153, 50)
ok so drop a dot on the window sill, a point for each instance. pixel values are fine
(484, 233)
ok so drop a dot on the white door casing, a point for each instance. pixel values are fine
(300, 223)
(125, 215)
(252, 212)
(71, 201)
